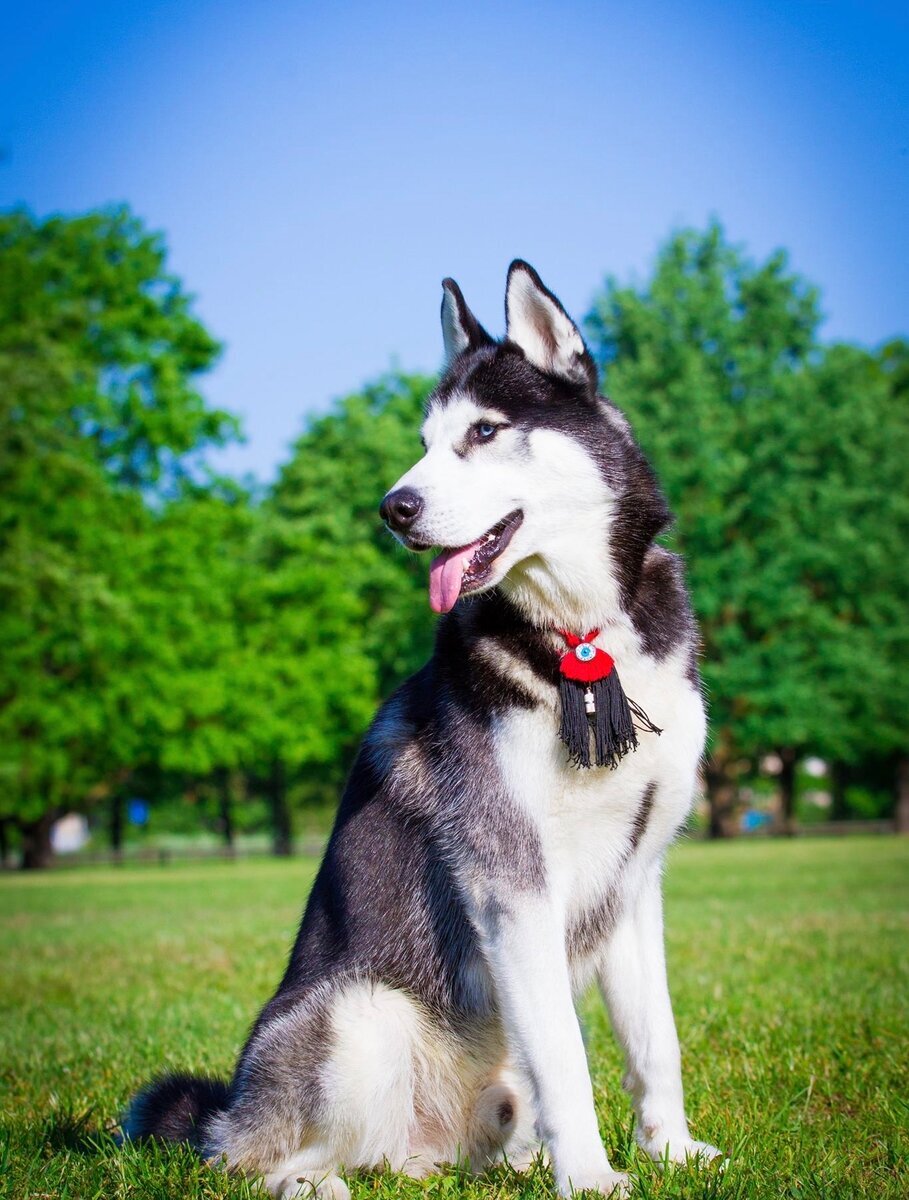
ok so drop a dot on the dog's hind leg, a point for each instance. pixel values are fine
(368, 1080)
(274, 1124)
(364, 1078)
(327, 1085)
(403, 1091)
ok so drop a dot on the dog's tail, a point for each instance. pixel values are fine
(175, 1108)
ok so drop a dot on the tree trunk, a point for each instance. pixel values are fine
(282, 835)
(789, 759)
(37, 851)
(116, 825)
(4, 843)
(839, 781)
(902, 794)
(721, 798)
(225, 784)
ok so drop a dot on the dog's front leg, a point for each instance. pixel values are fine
(632, 977)
(525, 944)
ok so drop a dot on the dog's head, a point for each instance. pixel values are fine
(530, 479)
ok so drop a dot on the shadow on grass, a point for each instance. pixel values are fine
(76, 1132)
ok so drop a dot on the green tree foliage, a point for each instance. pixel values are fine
(856, 416)
(91, 298)
(161, 624)
(303, 683)
(781, 458)
(332, 486)
(339, 614)
(189, 571)
(168, 630)
(98, 413)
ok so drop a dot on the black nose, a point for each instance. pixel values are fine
(400, 509)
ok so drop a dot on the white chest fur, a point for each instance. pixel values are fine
(591, 823)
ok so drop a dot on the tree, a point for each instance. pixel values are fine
(857, 529)
(302, 685)
(771, 448)
(99, 418)
(331, 612)
(332, 487)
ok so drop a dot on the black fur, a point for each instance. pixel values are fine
(661, 611)
(645, 808)
(458, 322)
(175, 1108)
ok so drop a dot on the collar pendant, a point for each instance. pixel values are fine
(595, 708)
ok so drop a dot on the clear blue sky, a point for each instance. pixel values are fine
(318, 168)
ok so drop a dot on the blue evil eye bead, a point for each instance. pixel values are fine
(585, 651)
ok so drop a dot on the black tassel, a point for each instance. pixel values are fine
(613, 728)
(575, 728)
(614, 722)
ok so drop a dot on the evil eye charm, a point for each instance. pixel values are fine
(585, 652)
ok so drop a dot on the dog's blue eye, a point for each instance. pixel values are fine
(485, 431)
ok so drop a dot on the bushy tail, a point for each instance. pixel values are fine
(175, 1108)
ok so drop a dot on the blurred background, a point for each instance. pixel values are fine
(222, 235)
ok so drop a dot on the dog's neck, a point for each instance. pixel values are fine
(578, 591)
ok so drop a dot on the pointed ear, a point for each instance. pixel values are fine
(543, 329)
(460, 329)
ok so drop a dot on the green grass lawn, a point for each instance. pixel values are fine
(789, 969)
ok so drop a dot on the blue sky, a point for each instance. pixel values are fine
(318, 168)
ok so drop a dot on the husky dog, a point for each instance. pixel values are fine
(476, 879)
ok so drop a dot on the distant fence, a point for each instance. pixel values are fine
(827, 829)
(163, 856)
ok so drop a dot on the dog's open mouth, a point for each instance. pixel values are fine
(466, 568)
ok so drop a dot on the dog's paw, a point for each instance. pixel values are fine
(683, 1149)
(703, 1151)
(524, 1158)
(419, 1166)
(612, 1184)
(311, 1185)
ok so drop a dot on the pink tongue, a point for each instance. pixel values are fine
(445, 574)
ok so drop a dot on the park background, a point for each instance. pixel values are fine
(219, 219)
(222, 232)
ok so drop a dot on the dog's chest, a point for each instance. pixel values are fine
(592, 822)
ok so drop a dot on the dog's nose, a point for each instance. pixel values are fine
(400, 509)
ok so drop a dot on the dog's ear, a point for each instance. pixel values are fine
(537, 323)
(460, 329)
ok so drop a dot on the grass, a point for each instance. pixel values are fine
(789, 969)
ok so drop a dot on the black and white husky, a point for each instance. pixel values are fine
(476, 879)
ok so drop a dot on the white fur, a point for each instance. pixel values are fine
(525, 948)
(632, 976)
(463, 496)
